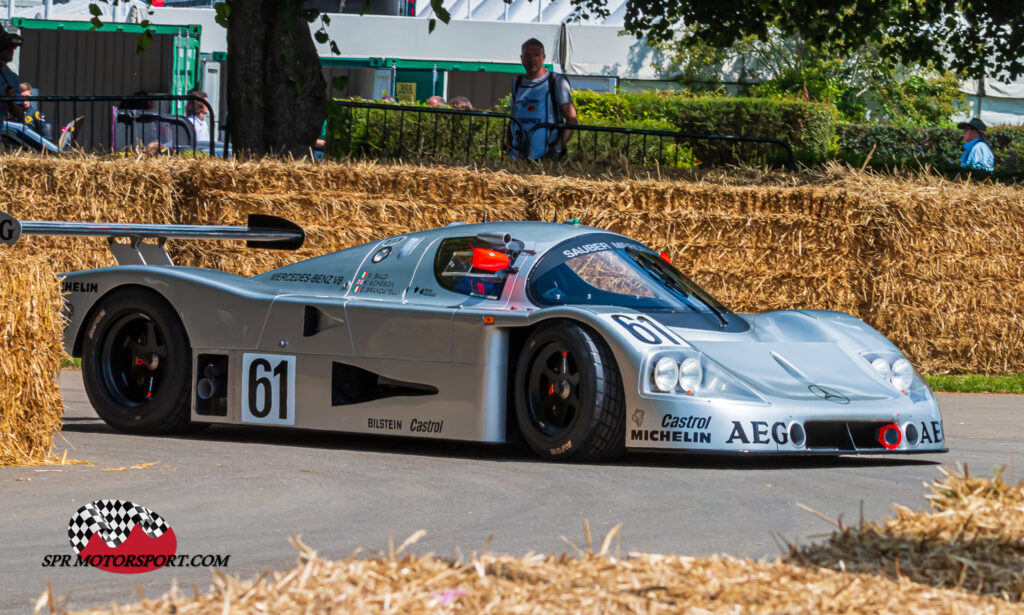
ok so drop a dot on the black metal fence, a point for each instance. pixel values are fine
(105, 124)
(388, 131)
(373, 130)
(666, 148)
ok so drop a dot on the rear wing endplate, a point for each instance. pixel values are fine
(262, 232)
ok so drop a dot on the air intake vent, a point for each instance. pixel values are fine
(355, 385)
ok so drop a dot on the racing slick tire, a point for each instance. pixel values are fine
(568, 395)
(137, 364)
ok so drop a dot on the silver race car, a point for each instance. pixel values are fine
(586, 342)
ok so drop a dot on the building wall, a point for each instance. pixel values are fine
(84, 63)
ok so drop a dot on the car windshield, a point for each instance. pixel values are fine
(608, 270)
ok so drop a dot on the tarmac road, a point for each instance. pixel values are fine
(242, 491)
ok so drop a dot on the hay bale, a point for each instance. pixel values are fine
(972, 537)
(973, 525)
(30, 328)
(935, 265)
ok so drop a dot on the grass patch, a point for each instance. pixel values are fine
(67, 361)
(976, 383)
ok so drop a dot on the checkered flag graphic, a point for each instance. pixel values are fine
(114, 520)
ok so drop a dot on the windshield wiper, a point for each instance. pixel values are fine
(667, 279)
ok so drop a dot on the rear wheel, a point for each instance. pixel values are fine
(137, 363)
(568, 395)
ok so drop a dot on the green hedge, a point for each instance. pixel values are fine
(404, 133)
(939, 148)
(809, 128)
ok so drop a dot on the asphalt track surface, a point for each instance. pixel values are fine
(241, 491)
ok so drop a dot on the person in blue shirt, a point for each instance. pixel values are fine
(977, 151)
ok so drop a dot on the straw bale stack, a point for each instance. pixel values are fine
(936, 265)
(947, 259)
(974, 523)
(88, 190)
(30, 351)
(973, 537)
(559, 584)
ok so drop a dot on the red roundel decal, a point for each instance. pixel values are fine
(119, 536)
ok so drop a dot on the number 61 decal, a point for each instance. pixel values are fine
(268, 389)
(644, 329)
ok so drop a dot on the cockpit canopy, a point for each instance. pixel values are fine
(604, 269)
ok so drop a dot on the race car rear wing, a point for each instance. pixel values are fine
(262, 232)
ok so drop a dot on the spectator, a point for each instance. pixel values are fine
(30, 113)
(133, 104)
(540, 96)
(10, 80)
(977, 151)
(461, 102)
(196, 114)
(437, 101)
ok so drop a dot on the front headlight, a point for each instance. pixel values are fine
(895, 370)
(666, 373)
(902, 374)
(690, 374)
(881, 366)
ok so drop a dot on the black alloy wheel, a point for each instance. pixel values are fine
(568, 394)
(554, 389)
(137, 363)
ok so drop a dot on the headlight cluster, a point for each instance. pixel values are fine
(893, 369)
(689, 373)
(668, 374)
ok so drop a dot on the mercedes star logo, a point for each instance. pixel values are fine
(828, 394)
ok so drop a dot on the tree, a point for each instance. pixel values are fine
(276, 90)
(862, 85)
(974, 38)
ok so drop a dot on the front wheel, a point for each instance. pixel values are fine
(137, 363)
(568, 395)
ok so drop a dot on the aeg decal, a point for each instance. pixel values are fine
(761, 432)
(119, 536)
(936, 432)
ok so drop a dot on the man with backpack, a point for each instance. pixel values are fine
(539, 97)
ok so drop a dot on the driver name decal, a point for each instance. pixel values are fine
(599, 246)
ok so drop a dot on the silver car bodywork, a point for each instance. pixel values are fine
(293, 340)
